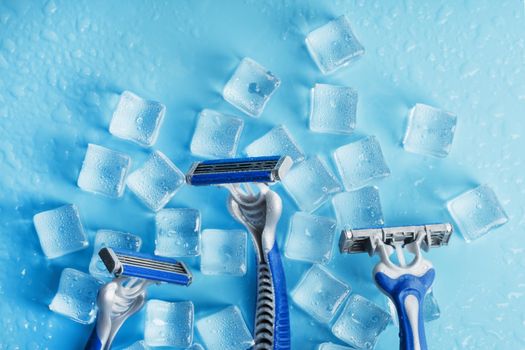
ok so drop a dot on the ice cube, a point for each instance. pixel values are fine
(178, 232)
(138, 345)
(360, 323)
(430, 131)
(169, 323)
(156, 182)
(311, 183)
(76, 297)
(195, 347)
(360, 162)
(333, 109)
(223, 252)
(358, 209)
(310, 238)
(332, 346)
(112, 239)
(104, 171)
(137, 119)
(334, 45)
(430, 308)
(60, 231)
(277, 141)
(476, 212)
(225, 330)
(216, 135)
(250, 87)
(319, 293)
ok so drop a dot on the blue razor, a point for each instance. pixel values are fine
(253, 204)
(405, 284)
(126, 294)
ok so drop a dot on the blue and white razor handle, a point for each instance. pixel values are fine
(405, 284)
(258, 208)
(126, 294)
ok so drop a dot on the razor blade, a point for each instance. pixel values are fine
(364, 240)
(268, 169)
(122, 263)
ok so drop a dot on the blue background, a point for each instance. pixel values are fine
(63, 63)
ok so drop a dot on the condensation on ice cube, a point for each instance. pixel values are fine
(360, 323)
(332, 346)
(320, 293)
(60, 231)
(360, 162)
(216, 135)
(76, 296)
(138, 345)
(310, 238)
(277, 141)
(250, 87)
(333, 109)
(111, 239)
(178, 232)
(225, 330)
(223, 252)
(358, 209)
(137, 119)
(430, 131)
(334, 45)
(156, 182)
(169, 323)
(476, 212)
(311, 183)
(104, 171)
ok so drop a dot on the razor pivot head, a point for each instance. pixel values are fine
(145, 266)
(239, 170)
(365, 240)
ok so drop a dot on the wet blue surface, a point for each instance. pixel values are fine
(62, 64)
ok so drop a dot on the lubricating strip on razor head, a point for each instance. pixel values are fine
(364, 240)
(239, 170)
(122, 263)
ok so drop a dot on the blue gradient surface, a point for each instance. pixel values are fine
(63, 64)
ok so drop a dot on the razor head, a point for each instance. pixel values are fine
(364, 240)
(150, 267)
(239, 170)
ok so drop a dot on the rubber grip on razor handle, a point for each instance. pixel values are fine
(94, 342)
(408, 293)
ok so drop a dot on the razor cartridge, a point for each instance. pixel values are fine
(238, 170)
(405, 284)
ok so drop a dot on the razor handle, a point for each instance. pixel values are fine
(94, 342)
(407, 292)
(272, 317)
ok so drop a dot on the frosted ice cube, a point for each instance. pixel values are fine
(216, 135)
(195, 347)
(156, 182)
(311, 183)
(310, 238)
(430, 131)
(112, 239)
(223, 252)
(178, 232)
(358, 209)
(225, 330)
(476, 212)
(76, 297)
(104, 171)
(250, 87)
(137, 119)
(138, 345)
(333, 45)
(430, 309)
(277, 141)
(360, 323)
(332, 346)
(360, 162)
(319, 293)
(169, 323)
(60, 231)
(333, 109)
